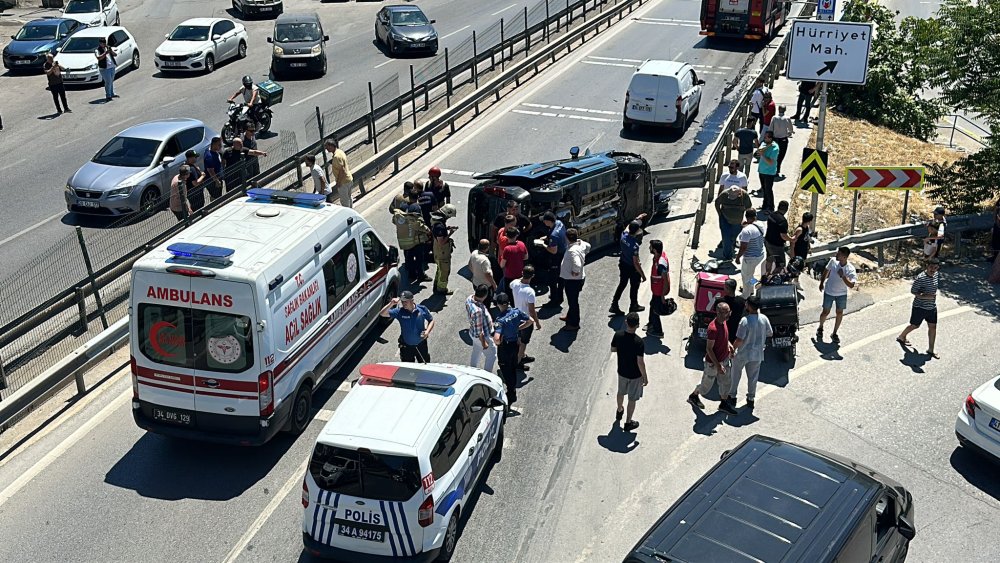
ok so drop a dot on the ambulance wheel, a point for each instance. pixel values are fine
(450, 539)
(301, 411)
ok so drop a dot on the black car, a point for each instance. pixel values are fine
(769, 500)
(258, 7)
(299, 45)
(405, 29)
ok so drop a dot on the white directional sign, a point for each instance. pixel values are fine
(828, 51)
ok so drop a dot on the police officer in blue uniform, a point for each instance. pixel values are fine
(507, 324)
(415, 326)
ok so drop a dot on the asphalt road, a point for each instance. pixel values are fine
(41, 151)
(571, 487)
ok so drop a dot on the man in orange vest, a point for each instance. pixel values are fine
(659, 283)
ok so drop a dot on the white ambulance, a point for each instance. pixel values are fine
(237, 319)
(394, 468)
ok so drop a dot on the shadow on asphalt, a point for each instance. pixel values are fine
(827, 350)
(966, 283)
(706, 421)
(913, 359)
(978, 471)
(729, 45)
(618, 440)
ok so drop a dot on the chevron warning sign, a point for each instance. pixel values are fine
(884, 178)
(813, 176)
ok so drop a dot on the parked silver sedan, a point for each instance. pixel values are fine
(133, 170)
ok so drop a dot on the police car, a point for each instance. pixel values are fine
(394, 467)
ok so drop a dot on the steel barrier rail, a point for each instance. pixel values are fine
(679, 178)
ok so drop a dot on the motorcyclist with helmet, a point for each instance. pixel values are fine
(251, 99)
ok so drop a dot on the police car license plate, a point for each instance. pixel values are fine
(165, 415)
(642, 107)
(359, 531)
(781, 341)
(995, 424)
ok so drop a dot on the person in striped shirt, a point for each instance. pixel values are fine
(751, 240)
(924, 290)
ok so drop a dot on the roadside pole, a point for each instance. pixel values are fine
(820, 130)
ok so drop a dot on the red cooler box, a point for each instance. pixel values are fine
(709, 289)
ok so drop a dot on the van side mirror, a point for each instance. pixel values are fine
(393, 258)
(269, 40)
(434, 21)
(326, 38)
(905, 528)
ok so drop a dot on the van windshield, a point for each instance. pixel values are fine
(365, 474)
(195, 338)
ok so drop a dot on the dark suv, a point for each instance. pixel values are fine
(299, 45)
(769, 500)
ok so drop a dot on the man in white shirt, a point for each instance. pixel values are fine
(751, 240)
(757, 103)
(838, 277)
(571, 271)
(524, 299)
(482, 270)
(733, 177)
(320, 185)
(751, 336)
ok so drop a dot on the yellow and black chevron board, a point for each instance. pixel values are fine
(813, 175)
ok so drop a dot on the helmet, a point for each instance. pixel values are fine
(448, 211)
(247, 81)
(434, 172)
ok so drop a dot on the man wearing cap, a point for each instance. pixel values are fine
(481, 328)
(629, 270)
(508, 325)
(500, 222)
(415, 326)
(751, 335)
(936, 226)
(195, 191)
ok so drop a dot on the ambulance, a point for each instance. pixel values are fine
(236, 321)
(393, 471)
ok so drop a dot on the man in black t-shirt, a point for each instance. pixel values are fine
(775, 238)
(236, 164)
(807, 90)
(631, 369)
(500, 221)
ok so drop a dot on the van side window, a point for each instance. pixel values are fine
(859, 547)
(341, 274)
(448, 447)
(375, 252)
(694, 78)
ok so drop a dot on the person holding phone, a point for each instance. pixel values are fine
(838, 277)
(106, 64)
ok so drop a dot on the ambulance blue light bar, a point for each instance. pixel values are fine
(383, 374)
(286, 197)
(201, 252)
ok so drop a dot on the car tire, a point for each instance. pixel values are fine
(391, 47)
(149, 201)
(323, 72)
(241, 51)
(264, 123)
(450, 540)
(135, 60)
(209, 63)
(301, 415)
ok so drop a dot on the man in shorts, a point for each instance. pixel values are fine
(631, 369)
(924, 290)
(717, 352)
(837, 279)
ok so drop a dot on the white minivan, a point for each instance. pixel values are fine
(394, 469)
(236, 320)
(662, 94)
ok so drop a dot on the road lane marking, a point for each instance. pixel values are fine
(276, 500)
(323, 91)
(668, 21)
(498, 12)
(122, 122)
(173, 103)
(453, 33)
(13, 164)
(461, 184)
(31, 228)
(602, 63)
(63, 446)
(562, 115)
(380, 65)
(615, 59)
(67, 143)
(568, 108)
(458, 172)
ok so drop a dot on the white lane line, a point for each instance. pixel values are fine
(498, 12)
(568, 108)
(323, 91)
(563, 115)
(718, 67)
(458, 172)
(31, 228)
(678, 55)
(380, 65)
(461, 184)
(668, 20)
(276, 500)
(13, 164)
(674, 24)
(602, 63)
(122, 122)
(173, 103)
(72, 440)
(453, 33)
(615, 59)
(70, 142)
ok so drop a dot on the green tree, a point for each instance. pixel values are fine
(969, 183)
(899, 70)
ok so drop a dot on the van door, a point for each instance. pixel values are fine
(376, 257)
(453, 472)
(485, 425)
(643, 93)
(342, 275)
(669, 88)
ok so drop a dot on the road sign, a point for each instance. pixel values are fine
(828, 51)
(825, 9)
(813, 175)
(884, 178)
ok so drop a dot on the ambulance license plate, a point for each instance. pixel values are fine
(360, 531)
(173, 417)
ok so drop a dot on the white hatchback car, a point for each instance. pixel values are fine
(978, 424)
(199, 44)
(93, 13)
(78, 56)
(397, 463)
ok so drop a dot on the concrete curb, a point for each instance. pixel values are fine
(685, 278)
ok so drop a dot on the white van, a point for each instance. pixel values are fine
(395, 466)
(237, 319)
(662, 93)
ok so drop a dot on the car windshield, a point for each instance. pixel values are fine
(36, 33)
(83, 6)
(128, 151)
(293, 32)
(81, 45)
(189, 33)
(408, 18)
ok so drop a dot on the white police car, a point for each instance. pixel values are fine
(393, 468)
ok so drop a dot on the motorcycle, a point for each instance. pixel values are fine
(240, 115)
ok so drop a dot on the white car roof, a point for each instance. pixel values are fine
(201, 21)
(661, 68)
(102, 31)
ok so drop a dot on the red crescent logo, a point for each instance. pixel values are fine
(154, 335)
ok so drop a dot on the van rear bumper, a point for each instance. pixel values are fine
(676, 124)
(220, 429)
(329, 552)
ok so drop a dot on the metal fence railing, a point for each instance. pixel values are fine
(966, 128)
(87, 274)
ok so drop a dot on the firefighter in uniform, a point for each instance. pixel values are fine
(412, 234)
(443, 246)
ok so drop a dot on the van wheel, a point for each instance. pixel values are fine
(450, 539)
(301, 410)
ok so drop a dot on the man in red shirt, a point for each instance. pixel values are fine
(769, 109)
(717, 352)
(659, 283)
(512, 259)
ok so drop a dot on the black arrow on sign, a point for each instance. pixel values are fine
(827, 66)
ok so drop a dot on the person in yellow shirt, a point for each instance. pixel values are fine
(340, 174)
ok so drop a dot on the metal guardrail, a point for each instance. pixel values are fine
(679, 178)
(968, 128)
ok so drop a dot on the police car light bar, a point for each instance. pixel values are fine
(286, 197)
(403, 375)
(201, 252)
